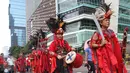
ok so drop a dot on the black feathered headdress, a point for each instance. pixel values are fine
(55, 25)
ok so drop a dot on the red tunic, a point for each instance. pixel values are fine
(53, 48)
(34, 61)
(108, 57)
(21, 64)
(1, 60)
(44, 62)
(28, 61)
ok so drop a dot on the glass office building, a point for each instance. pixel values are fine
(80, 24)
(124, 17)
(17, 22)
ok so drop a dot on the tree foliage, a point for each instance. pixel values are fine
(27, 48)
(15, 50)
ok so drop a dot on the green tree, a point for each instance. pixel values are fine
(27, 47)
(15, 50)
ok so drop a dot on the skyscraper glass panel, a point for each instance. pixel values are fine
(17, 13)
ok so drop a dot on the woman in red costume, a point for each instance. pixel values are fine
(106, 53)
(59, 47)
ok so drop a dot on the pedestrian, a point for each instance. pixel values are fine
(10, 63)
(106, 53)
(89, 63)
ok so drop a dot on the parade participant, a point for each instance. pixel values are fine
(20, 62)
(40, 56)
(43, 53)
(33, 60)
(106, 52)
(6, 66)
(28, 63)
(59, 47)
(124, 42)
(1, 63)
(89, 62)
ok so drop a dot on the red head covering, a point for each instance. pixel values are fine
(126, 29)
(59, 31)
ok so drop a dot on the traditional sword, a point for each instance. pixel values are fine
(98, 25)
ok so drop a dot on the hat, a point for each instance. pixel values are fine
(103, 12)
(57, 26)
(126, 29)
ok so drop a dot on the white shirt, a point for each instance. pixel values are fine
(6, 70)
(10, 61)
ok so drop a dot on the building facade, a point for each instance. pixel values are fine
(80, 24)
(123, 17)
(17, 22)
(124, 21)
(37, 12)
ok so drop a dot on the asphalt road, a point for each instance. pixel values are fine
(83, 69)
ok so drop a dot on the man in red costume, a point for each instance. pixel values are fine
(43, 53)
(106, 53)
(1, 63)
(59, 47)
(21, 63)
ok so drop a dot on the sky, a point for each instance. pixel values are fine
(4, 28)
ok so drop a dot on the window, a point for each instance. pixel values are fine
(123, 20)
(87, 24)
(122, 27)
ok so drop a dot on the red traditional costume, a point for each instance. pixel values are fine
(124, 42)
(58, 46)
(33, 61)
(44, 62)
(20, 64)
(40, 62)
(108, 58)
(28, 63)
(1, 63)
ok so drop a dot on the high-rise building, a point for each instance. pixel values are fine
(17, 22)
(78, 15)
(37, 12)
(124, 17)
(80, 24)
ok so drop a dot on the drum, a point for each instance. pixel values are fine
(75, 59)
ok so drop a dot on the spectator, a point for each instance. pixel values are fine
(10, 64)
(89, 62)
